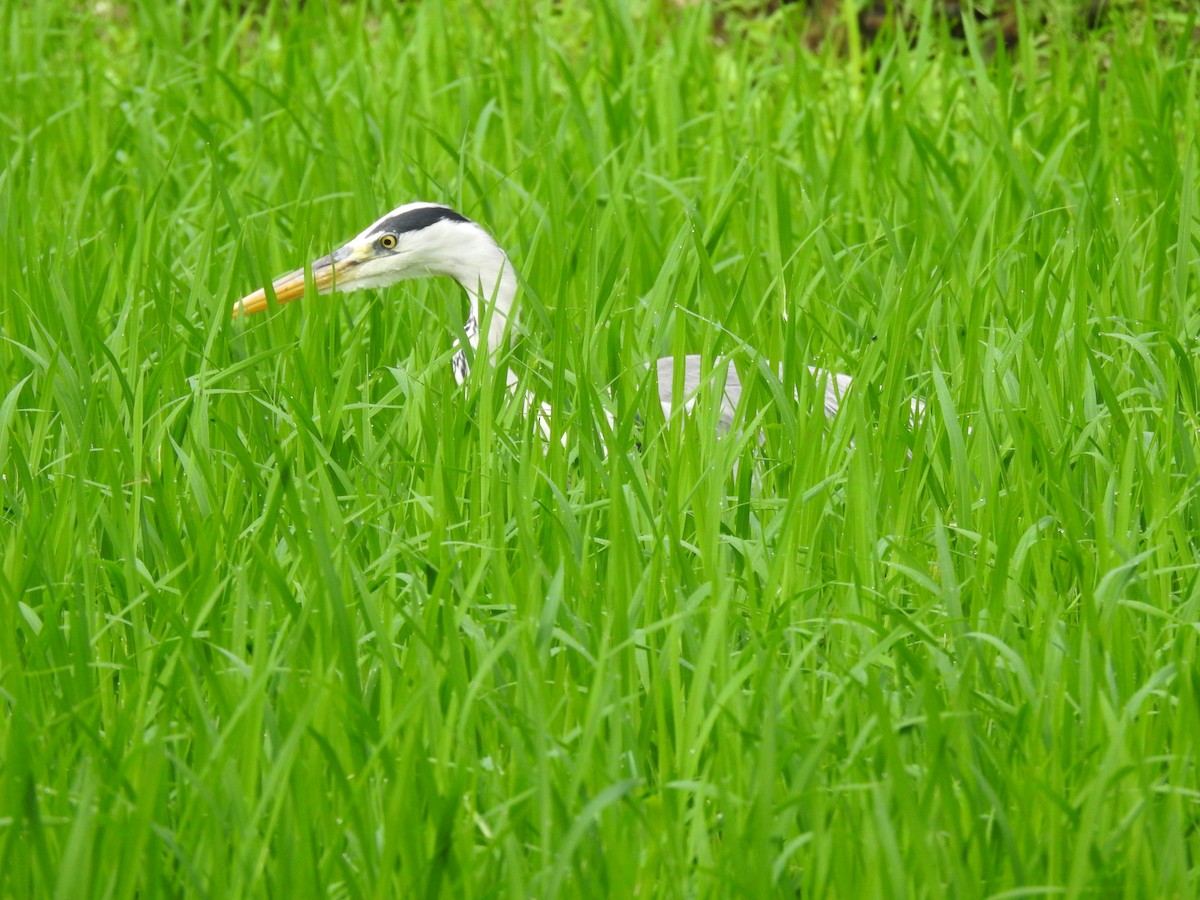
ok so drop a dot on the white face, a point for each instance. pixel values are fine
(416, 240)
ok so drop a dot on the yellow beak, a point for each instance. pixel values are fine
(326, 271)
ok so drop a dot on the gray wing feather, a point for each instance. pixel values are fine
(836, 385)
(692, 380)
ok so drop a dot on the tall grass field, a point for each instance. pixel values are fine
(286, 612)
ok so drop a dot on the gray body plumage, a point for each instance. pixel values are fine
(835, 387)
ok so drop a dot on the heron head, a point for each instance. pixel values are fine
(416, 240)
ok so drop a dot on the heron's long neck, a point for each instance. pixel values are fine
(488, 278)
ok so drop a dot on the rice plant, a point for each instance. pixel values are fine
(286, 612)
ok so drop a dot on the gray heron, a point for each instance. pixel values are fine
(420, 240)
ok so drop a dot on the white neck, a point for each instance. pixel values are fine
(487, 276)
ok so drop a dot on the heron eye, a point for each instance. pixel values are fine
(388, 242)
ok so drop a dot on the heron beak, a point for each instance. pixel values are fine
(328, 272)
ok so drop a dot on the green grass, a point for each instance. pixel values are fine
(285, 613)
